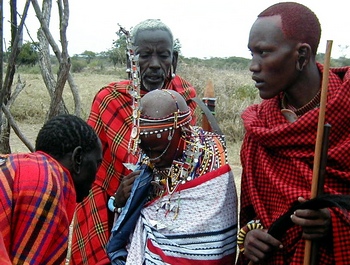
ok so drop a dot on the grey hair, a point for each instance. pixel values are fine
(150, 24)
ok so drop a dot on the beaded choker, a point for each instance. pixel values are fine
(291, 113)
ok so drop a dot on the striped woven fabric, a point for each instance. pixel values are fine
(203, 231)
(4, 257)
(37, 202)
(111, 118)
(277, 159)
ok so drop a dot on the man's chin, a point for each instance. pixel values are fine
(152, 86)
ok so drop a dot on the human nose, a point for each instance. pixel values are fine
(154, 62)
(254, 64)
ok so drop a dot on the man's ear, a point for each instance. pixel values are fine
(304, 54)
(174, 62)
(77, 157)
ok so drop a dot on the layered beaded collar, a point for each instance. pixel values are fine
(199, 157)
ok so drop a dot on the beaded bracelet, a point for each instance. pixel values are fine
(254, 224)
(111, 205)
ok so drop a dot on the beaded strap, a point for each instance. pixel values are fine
(254, 224)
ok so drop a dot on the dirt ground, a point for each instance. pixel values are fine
(30, 131)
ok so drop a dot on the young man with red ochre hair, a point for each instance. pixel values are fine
(111, 117)
(278, 150)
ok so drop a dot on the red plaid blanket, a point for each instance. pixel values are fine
(277, 159)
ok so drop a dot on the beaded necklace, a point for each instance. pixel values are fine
(291, 113)
(199, 156)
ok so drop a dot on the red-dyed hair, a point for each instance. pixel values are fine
(298, 22)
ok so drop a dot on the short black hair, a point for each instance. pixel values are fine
(63, 133)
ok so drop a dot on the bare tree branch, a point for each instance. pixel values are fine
(45, 28)
(63, 57)
(12, 59)
(1, 42)
(19, 87)
(16, 129)
(76, 96)
(5, 92)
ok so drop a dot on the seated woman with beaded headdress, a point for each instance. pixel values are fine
(181, 208)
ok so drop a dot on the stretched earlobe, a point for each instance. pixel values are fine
(300, 63)
(174, 64)
(172, 72)
(303, 57)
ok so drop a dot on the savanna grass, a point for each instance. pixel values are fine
(234, 91)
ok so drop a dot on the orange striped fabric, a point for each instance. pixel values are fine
(37, 202)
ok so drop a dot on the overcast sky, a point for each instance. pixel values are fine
(217, 28)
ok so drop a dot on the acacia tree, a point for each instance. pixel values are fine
(6, 97)
(54, 85)
(89, 55)
(28, 54)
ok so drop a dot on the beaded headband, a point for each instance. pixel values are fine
(172, 121)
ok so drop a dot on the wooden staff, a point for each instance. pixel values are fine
(319, 139)
(209, 100)
(322, 175)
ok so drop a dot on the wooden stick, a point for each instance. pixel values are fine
(319, 137)
(322, 175)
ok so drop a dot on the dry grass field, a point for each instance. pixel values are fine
(234, 91)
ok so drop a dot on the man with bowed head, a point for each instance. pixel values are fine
(39, 190)
(278, 150)
(181, 206)
(111, 117)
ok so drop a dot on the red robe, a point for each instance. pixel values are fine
(37, 202)
(277, 160)
(111, 118)
(4, 257)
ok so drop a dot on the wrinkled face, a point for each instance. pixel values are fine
(90, 163)
(155, 49)
(161, 151)
(274, 58)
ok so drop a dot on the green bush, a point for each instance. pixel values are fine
(77, 65)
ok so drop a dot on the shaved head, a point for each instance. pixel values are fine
(162, 103)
